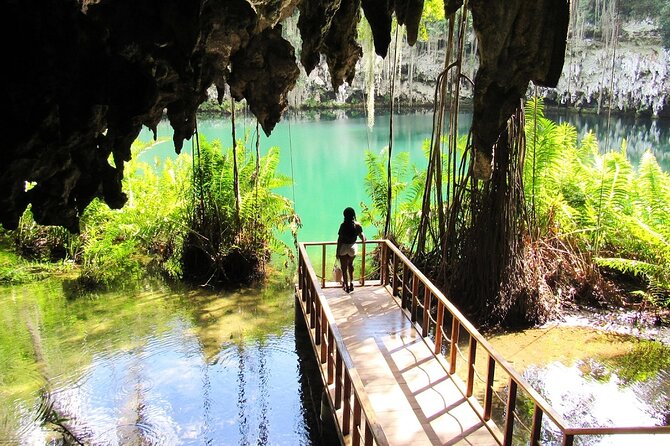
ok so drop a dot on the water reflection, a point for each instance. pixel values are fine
(591, 393)
(151, 368)
(186, 367)
(592, 377)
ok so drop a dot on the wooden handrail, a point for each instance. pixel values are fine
(467, 325)
(364, 251)
(393, 258)
(617, 430)
(516, 381)
(351, 377)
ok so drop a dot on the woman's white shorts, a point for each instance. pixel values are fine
(348, 250)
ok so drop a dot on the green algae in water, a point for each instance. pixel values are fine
(593, 379)
(151, 367)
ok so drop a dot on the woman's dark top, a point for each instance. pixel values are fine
(349, 231)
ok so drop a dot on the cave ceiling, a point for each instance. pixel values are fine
(81, 77)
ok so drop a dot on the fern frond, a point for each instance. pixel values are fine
(628, 266)
(653, 191)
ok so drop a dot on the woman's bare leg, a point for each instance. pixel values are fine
(344, 263)
(351, 273)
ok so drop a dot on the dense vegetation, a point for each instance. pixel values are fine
(230, 238)
(600, 227)
(615, 214)
(180, 220)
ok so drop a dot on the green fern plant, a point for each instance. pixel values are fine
(407, 191)
(221, 247)
(608, 209)
(118, 245)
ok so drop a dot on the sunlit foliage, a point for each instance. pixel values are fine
(616, 212)
(221, 246)
(163, 219)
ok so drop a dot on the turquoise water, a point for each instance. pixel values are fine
(326, 156)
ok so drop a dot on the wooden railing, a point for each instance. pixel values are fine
(365, 270)
(440, 322)
(353, 412)
(444, 328)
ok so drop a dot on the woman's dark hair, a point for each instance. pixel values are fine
(349, 214)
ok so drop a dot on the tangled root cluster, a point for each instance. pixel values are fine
(553, 275)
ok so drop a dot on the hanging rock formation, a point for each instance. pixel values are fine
(519, 41)
(82, 77)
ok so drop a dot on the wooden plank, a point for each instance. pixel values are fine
(509, 413)
(415, 401)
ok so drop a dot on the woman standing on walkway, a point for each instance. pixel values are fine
(349, 231)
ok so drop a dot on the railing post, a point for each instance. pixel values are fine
(425, 326)
(568, 440)
(536, 429)
(363, 265)
(323, 325)
(415, 298)
(509, 416)
(331, 362)
(395, 277)
(317, 319)
(308, 304)
(302, 279)
(471, 366)
(338, 381)
(439, 328)
(368, 435)
(346, 412)
(384, 267)
(323, 265)
(405, 288)
(488, 394)
(453, 351)
(307, 288)
(300, 270)
(356, 437)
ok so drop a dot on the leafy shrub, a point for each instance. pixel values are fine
(119, 245)
(224, 245)
(43, 243)
(181, 222)
(407, 191)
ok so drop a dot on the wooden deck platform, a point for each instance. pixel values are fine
(414, 398)
(402, 365)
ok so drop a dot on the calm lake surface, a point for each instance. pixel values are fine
(161, 366)
(155, 365)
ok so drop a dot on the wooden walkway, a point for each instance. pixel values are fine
(402, 366)
(414, 398)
